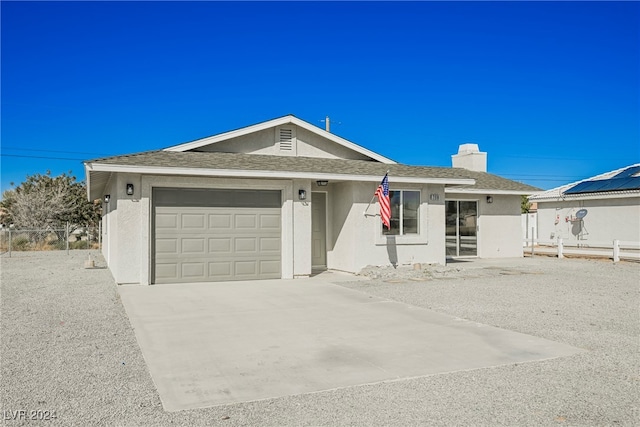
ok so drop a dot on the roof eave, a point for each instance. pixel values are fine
(487, 191)
(586, 196)
(267, 174)
(88, 175)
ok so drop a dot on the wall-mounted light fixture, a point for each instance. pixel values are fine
(107, 197)
(489, 199)
(302, 194)
(322, 183)
(434, 197)
(129, 189)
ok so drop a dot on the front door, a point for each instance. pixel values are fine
(462, 221)
(319, 230)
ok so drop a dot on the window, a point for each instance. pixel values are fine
(405, 206)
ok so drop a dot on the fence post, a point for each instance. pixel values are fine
(616, 250)
(532, 241)
(560, 248)
(66, 235)
(10, 242)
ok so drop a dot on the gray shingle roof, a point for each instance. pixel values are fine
(254, 162)
(487, 181)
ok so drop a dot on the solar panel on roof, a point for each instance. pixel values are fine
(628, 172)
(612, 184)
(630, 184)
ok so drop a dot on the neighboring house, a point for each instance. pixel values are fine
(283, 198)
(593, 211)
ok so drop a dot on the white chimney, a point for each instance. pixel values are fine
(327, 124)
(469, 157)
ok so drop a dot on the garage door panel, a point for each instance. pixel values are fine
(246, 221)
(193, 246)
(166, 220)
(193, 220)
(221, 269)
(244, 268)
(193, 270)
(220, 221)
(167, 246)
(220, 245)
(195, 243)
(270, 222)
(270, 245)
(246, 244)
(166, 272)
(270, 268)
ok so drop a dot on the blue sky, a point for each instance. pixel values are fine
(550, 90)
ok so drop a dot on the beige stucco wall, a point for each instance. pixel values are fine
(261, 142)
(127, 244)
(122, 229)
(109, 225)
(313, 145)
(499, 224)
(354, 240)
(129, 229)
(305, 144)
(606, 220)
(301, 229)
(357, 240)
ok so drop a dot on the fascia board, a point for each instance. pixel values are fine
(485, 191)
(239, 173)
(593, 196)
(88, 175)
(274, 123)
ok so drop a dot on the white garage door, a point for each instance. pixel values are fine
(216, 235)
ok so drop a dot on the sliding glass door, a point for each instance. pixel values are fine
(461, 233)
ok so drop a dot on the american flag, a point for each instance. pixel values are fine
(382, 193)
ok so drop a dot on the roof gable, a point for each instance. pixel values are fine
(262, 138)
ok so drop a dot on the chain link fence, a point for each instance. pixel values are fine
(49, 239)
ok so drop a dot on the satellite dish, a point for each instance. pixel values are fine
(581, 213)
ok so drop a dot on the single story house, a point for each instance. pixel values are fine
(282, 198)
(594, 211)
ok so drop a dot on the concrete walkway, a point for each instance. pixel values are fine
(210, 344)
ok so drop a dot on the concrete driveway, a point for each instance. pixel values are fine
(210, 344)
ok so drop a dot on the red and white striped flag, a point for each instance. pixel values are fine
(382, 193)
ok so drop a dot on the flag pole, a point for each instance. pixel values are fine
(374, 196)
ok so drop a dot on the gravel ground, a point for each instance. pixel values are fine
(67, 346)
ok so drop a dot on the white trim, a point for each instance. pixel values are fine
(485, 191)
(88, 183)
(326, 228)
(621, 194)
(274, 123)
(240, 173)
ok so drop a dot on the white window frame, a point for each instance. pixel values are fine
(401, 214)
(419, 238)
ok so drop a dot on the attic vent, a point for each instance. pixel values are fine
(286, 139)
